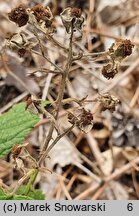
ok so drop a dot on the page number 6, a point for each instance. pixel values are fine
(130, 207)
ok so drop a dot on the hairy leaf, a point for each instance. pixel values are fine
(15, 125)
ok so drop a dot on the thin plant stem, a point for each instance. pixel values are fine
(31, 181)
(44, 56)
(54, 143)
(59, 97)
(20, 182)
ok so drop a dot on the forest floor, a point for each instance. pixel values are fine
(100, 164)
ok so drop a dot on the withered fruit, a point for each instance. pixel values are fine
(109, 71)
(40, 12)
(83, 119)
(108, 102)
(19, 15)
(121, 49)
(76, 12)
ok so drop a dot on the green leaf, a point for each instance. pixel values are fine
(4, 197)
(15, 197)
(45, 103)
(2, 193)
(15, 125)
(35, 194)
(21, 197)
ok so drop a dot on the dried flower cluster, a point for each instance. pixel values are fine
(109, 70)
(42, 14)
(41, 18)
(76, 12)
(19, 15)
(121, 49)
(83, 120)
(70, 16)
(117, 52)
(108, 102)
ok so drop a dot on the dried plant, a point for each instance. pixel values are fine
(40, 20)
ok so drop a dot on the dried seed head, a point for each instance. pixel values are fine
(109, 70)
(21, 52)
(19, 15)
(121, 49)
(16, 151)
(71, 17)
(108, 102)
(72, 118)
(117, 52)
(86, 117)
(82, 119)
(76, 12)
(42, 14)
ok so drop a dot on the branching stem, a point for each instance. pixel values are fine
(59, 100)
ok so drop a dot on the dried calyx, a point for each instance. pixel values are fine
(108, 102)
(16, 150)
(32, 104)
(71, 17)
(110, 70)
(83, 119)
(19, 42)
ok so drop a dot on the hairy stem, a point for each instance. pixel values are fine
(59, 98)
